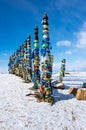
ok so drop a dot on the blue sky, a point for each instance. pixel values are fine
(67, 26)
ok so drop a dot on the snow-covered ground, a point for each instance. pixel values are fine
(20, 112)
(75, 79)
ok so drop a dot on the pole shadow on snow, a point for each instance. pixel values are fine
(60, 96)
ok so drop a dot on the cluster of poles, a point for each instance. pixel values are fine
(35, 65)
(20, 62)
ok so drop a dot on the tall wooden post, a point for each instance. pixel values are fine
(36, 59)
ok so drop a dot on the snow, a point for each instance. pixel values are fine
(20, 112)
(75, 79)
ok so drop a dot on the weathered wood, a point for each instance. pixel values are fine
(79, 93)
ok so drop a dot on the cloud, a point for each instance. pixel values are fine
(3, 65)
(81, 37)
(5, 54)
(3, 69)
(63, 43)
(68, 52)
(56, 65)
(78, 65)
